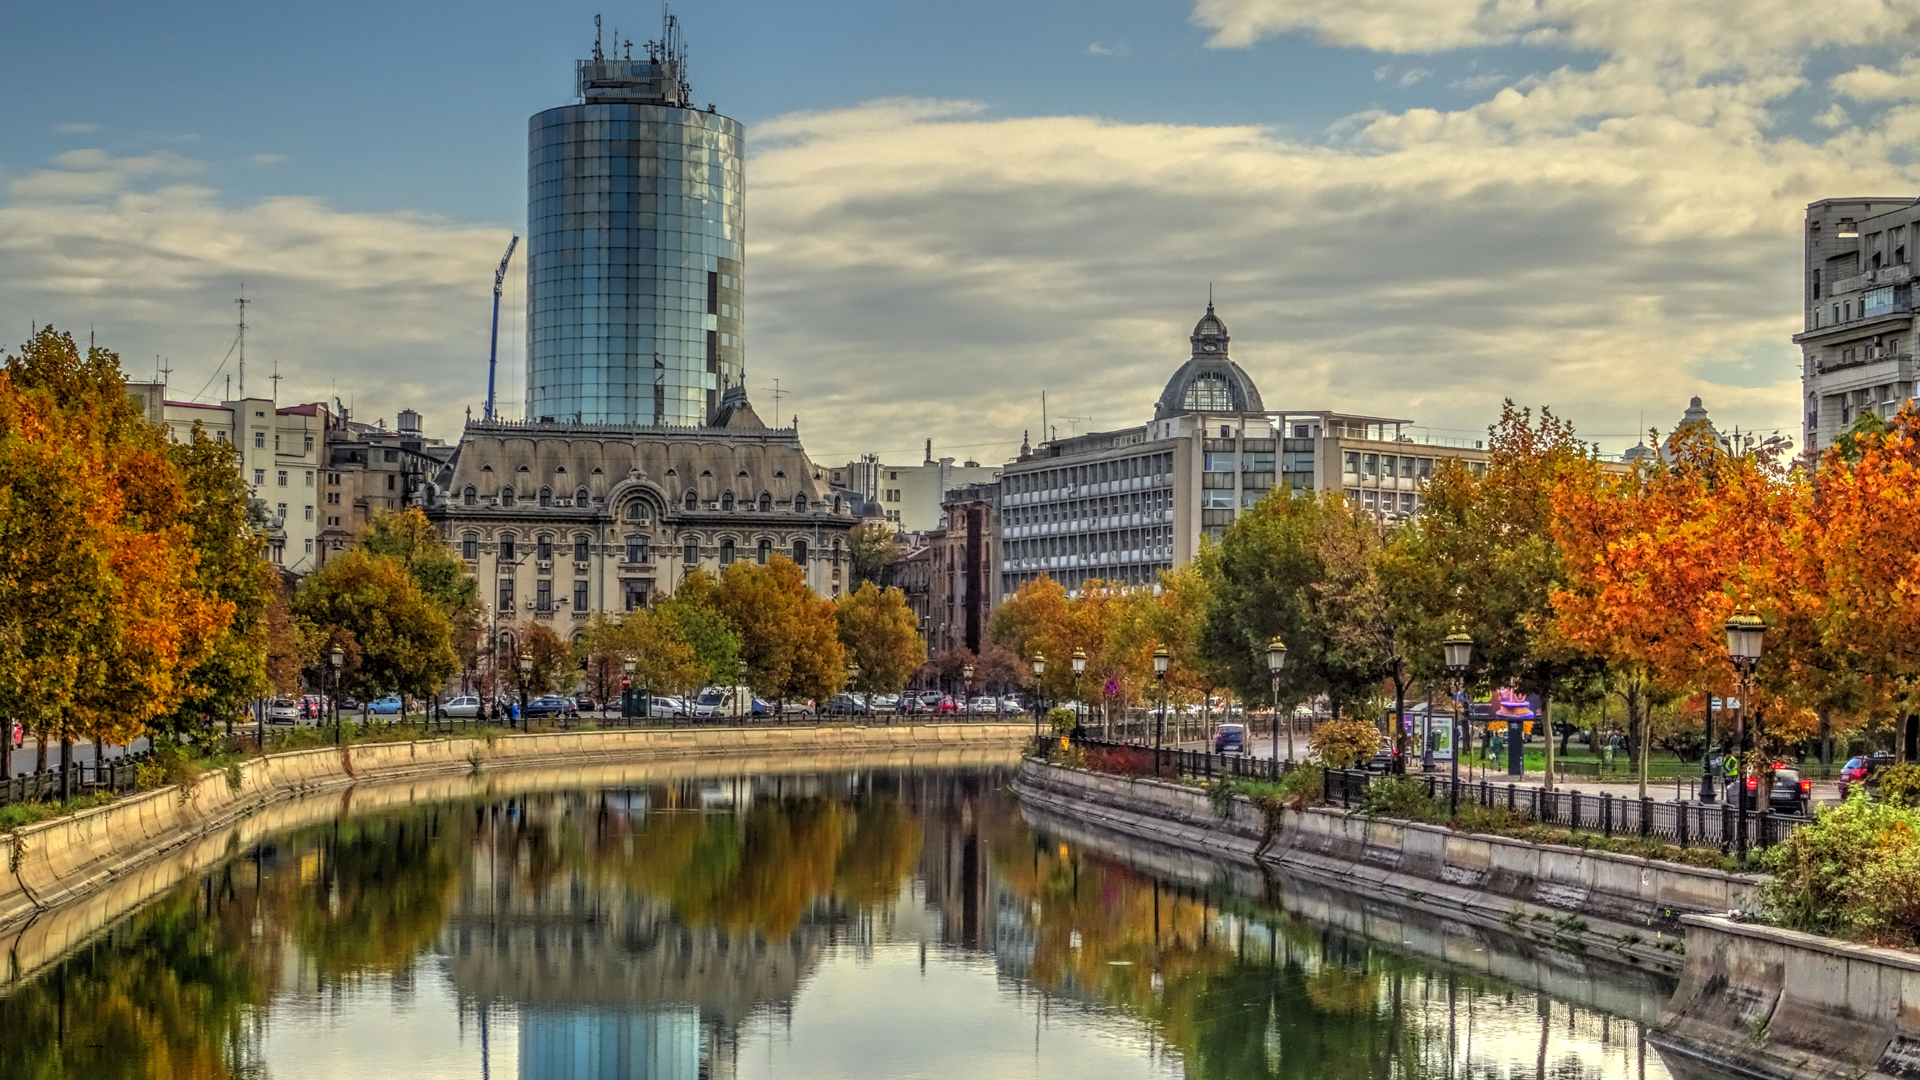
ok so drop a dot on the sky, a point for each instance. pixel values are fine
(1404, 208)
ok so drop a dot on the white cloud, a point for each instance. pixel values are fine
(75, 129)
(265, 159)
(1415, 75)
(1109, 48)
(1834, 117)
(1868, 83)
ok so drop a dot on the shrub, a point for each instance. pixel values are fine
(1898, 784)
(1398, 797)
(1854, 872)
(1062, 720)
(1303, 786)
(1338, 744)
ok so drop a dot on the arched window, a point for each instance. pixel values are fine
(726, 551)
(580, 549)
(546, 496)
(765, 552)
(836, 504)
(693, 499)
(506, 496)
(800, 553)
(689, 552)
(636, 511)
(726, 501)
(1208, 392)
(470, 545)
(766, 503)
(543, 548)
(506, 547)
(470, 497)
(836, 551)
(582, 499)
(799, 504)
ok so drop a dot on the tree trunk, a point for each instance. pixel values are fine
(1637, 716)
(1546, 717)
(40, 750)
(1826, 744)
(1399, 724)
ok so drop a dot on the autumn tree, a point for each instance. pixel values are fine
(691, 615)
(553, 664)
(102, 614)
(880, 634)
(409, 538)
(788, 636)
(403, 638)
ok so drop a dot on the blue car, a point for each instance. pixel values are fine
(386, 706)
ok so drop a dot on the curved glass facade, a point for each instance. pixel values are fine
(635, 262)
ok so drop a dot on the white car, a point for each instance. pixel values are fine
(983, 704)
(466, 705)
(668, 706)
(698, 707)
(282, 711)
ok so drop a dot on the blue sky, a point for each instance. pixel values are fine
(1410, 207)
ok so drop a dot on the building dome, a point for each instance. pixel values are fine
(1209, 382)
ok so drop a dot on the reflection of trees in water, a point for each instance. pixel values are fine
(1243, 991)
(382, 889)
(165, 994)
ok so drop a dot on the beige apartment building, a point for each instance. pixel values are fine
(1857, 337)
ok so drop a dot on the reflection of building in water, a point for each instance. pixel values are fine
(953, 855)
(608, 983)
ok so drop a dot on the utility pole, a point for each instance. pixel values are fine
(242, 301)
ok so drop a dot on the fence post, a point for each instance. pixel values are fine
(1606, 813)
(1726, 824)
(1765, 827)
(1510, 791)
(1680, 812)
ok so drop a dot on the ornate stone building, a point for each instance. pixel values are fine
(559, 521)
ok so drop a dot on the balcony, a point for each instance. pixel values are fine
(1864, 357)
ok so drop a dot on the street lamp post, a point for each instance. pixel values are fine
(1079, 669)
(1276, 660)
(853, 683)
(338, 658)
(1039, 669)
(1458, 648)
(526, 673)
(1160, 661)
(627, 665)
(1744, 633)
(740, 682)
(966, 686)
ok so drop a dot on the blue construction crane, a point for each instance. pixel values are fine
(493, 350)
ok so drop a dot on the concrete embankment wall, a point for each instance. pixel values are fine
(1761, 1001)
(56, 863)
(1572, 897)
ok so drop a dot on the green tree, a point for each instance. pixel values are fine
(441, 575)
(693, 618)
(881, 635)
(231, 568)
(788, 635)
(872, 548)
(403, 641)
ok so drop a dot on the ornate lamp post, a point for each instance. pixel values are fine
(853, 679)
(1458, 648)
(1276, 660)
(1039, 669)
(338, 658)
(526, 673)
(966, 684)
(1160, 661)
(1079, 669)
(1744, 633)
(627, 666)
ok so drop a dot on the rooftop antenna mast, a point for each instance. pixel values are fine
(276, 377)
(777, 395)
(499, 283)
(597, 55)
(242, 301)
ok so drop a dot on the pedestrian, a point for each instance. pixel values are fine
(1613, 743)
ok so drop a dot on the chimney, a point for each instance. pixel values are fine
(929, 457)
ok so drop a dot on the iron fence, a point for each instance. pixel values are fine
(120, 775)
(1686, 823)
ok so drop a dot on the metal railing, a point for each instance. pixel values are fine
(1684, 823)
(120, 775)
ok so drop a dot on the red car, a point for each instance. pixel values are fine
(1858, 769)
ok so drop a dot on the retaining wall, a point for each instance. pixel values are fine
(1761, 1001)
(57, 862)
(1569, 896)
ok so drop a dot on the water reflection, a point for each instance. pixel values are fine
(868, 924)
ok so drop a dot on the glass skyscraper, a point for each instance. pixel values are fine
(635, 249)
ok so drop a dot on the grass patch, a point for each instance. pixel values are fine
(16, 815)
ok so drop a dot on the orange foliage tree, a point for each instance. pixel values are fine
(1656, 560)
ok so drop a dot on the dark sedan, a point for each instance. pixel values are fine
(552, 705)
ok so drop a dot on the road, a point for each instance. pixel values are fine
(23, 756)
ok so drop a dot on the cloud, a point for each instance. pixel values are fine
(1834, 117)
(75, 129)
(1868, 83)
(1414, 75)
(1486, 80)
(265, 159)
(1109, 48)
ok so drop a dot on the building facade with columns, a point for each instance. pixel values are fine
(563, 521)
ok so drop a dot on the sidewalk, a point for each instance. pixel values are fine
(23, 756)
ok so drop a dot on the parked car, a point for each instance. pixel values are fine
(1381, 762)
(282, 711)
(932, 698)
(1230, 739)
(465, 705)
(663, 707)
(551, 705)
(984, 705)
(844, 704)
(1860, 770)
(391, 705)
(700, 706)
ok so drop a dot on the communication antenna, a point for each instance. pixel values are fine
(275, 377)
(777, 395)
(597, 57)
(242, 301)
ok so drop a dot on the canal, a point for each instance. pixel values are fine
(854, 925)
